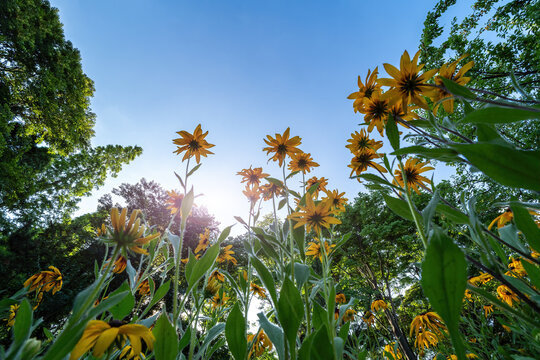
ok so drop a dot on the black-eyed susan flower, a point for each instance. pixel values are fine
(303, 162)
(10, 320)
(336, 200)
(507, 295)
(378, 305)
(252, 177)
(204, 241)
(448, 71)
(376, 110)
(212, 286)
(349, 315)
(397, 112)
(407, 83)
(219, 300)
(127, 353)
(488, 309)
(468, 356)
(101, 335)
(119, 265)
(225, 255)
(364, 159)
(412, 169)
(128, 236)
(320, 182)
(258, 290)
(45, 281)
(428, 321)
(260, 344)
(144, 288)
(365, 91)
(502, 219)
(216, 275)
(368, 318)
(282, 146)
(174, 201)
(268, 191)
(515, 268)
(252, 193)
(340, 298)
(392, 352)
(314, 216)
(314, 249)
(361, 141)
(425, 339)
(193, 144)
(480, 279)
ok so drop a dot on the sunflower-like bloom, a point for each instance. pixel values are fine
(204, 241)
(258, 290)
(100, 335)
(413, 168)
(12, 314)
(397, 112)
(340, 298)
(483, 278)
(212, 286)
(507, 295)
(128, 236)
(320, 182)
(488, 309)
(364, 159)
(270, 190)
(360, 141)
(376, 110)
(216, 275)
(365, 91)
(144, 288)
(252, 177)
(314, 249)
(260, 344)
(378, 305)
(45, 281)
(282, 146)
(516, 268)
(425, 339)
(193, 144)
(468, 356)
(369, 318)
(390, 353)
(349, 315)
(429, 321)
(252, 193)
(302, 161)
(336, 200)
(225, 254)
(127, 353)
(407, 83)
(101, 231)
(502, 219)
(314, 216)
(174, 202)
(120, 265)
(447, 71)
(218, 301)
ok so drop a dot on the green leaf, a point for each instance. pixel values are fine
(429, 211)
(210, 336)
(533, 272)
(184, 340)
(305, 350)
(194, 169)
(420, 123)
(275, 334)
(344, 331)
(500, 115)
(266, 278)
(392, 132)
(124, 307)
(377, 180)
(185, 208)
(301, 274)
(235, 332)
(23, 323)
(166, 344)
(320, 316)
(526, 224)
(180, 179)
(453, 215)
(203, 265)
(299, 236)
(400, 207)
(322, 348)
(442, 154)
(225, 233)
(456, 89)
(159, 294)
(274, 181)
(510, 167)
(290, 309)
(339, 346)
(444, 279)
(241, 221)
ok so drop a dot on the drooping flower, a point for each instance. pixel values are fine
(425, 339)
(45, 281)
(407, 83)
(120, 265)
(128, 353)
(204, 241)
(282, 146)
(218, 301)
(193, 144)
(258, 290)
(340, 298)
(412, 169)
(361, 141)
(488, 309)
(392, 352)
(252, 177)
(349, 315)
(101, 231)
(336, 200)
(13, 308)
(428, 321)
(144, 288)
(480, 279)
(302, 161)
(174, 202)
(378, 305)
(261, 343)
(507, 295)
(320, 182)
(502, 219)
(213, 286)
(130, 236)
(314, 216)
(365, 91)
(314, 249)
(447, 71)
(101, 335)
(376, 110)
(369, 318)
(364, 159)
(225, 254)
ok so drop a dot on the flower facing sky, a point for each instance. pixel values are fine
(252, 177)
(365, 91)
(128, 236)
(314, 216)
(447, 71)
(314, 249)
(204, 241)
(174, 201)
(302, 162)
(361, 141)
(412, 169)
(282, 146)
(320, 182)
(193, 144)
(336, 200)
(225, 254)
(376, 110)
(364, 159)
(258, 290)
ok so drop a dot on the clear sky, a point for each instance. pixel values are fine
(242, 69)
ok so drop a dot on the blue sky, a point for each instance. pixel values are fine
(243, 69)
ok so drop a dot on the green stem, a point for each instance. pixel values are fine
(291, 240)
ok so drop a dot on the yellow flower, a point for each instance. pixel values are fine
(502, 219)
(314, 216)
(447, 71)
(252, 177)
(257, 290)
(302, 161)
(389, 350)
(468, 295)
(369, 318)
(260, 343)
(365, 91)
(429, 321)
(378, 304)
(213, 286)
(321, 185)
(425, 339)
(102, 231)
(507, 295)
(128, 236)
(174, 202)
(282, 146)
(314, 249)
(12, 314)
(363, 159)
(516, 268)
(336, 200)
(101, 335)
(468, 356)
(218, 301)
(119, 265)
(45, 281)
(376, 110)
(226, 255)
(216, 275)
(204, 241)
(413, 168)
(270, 190)
(252, 193)
(349, 315)
(340, 298)
(488, 309)
(397, 112)
(360, 141)
(128, 354)
(407, 83)
(193, 144)
(144, 288)
(480, 279)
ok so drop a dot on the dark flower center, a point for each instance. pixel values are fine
(194, 145)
